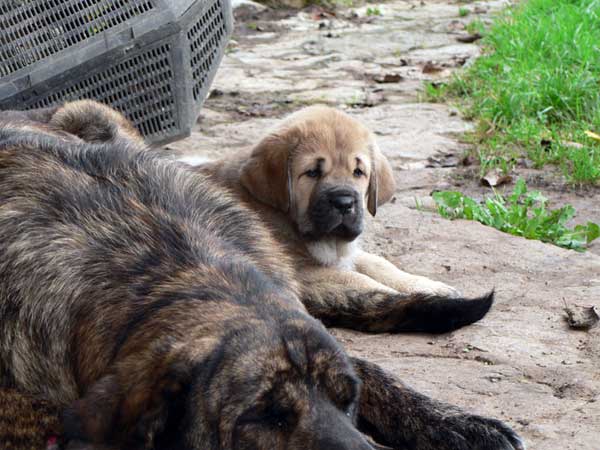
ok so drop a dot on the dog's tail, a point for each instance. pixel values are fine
(436, 314)
(380, 312)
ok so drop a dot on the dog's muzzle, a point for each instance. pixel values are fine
(336, 212)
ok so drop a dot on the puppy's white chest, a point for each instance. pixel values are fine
(334, 253)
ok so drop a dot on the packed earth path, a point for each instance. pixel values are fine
(522, 363)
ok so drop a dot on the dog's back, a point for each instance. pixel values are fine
(97, 238)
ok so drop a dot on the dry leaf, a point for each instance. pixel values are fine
(572, 144)
(495, 178)
(593, 135)
(469, 38)
(582, 317)
(388, 78)
(431, 67)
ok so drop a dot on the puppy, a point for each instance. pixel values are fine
(156, 312)
(312, 180)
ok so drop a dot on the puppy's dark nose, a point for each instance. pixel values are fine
(343, 203)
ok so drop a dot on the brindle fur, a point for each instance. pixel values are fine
(157, 312)
(26, 423)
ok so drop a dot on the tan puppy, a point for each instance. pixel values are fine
(312, 179)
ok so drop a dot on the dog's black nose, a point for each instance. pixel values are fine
(343, 203)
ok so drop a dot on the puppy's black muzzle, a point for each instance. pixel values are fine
(336, 211)
(343, 203)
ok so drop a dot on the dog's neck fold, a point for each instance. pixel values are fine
(333, 252)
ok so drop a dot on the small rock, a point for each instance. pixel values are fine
(456, 25)
(235, 4)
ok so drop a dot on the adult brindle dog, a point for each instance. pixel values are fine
(159, 313)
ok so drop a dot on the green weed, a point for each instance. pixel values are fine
(476, 26)
(463, 12)
(523, 213)
(373, 11)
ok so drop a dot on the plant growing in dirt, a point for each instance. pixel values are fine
(535, 91)
(523, 213)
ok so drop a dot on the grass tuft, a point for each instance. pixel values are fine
(537, 87)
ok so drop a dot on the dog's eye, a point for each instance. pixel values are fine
(313, 173)
(271, 417)
(358, 172)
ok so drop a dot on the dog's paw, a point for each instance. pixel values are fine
(463, 431)
(426, 286)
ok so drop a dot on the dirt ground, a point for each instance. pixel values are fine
(522, 363)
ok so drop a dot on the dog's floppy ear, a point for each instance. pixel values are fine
(266, 174)
(381, 182)
(122, 409)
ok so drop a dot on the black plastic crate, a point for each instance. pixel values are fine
(153, 60)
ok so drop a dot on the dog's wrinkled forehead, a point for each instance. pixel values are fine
(326, 129)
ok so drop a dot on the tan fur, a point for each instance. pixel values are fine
(270, 178)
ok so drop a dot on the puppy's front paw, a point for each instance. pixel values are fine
(426, 286)
(461, 431)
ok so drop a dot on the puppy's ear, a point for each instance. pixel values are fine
(381, 182)
(124, 411)
(266, 174)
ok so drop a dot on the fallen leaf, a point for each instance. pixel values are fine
(581, 317)
(430, 67)
(456, 25)
(593, 135)
(468, 38)
(388, 78)
(572, 144)
(467, 160)
(495, 178)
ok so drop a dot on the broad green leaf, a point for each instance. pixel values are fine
(525, 214)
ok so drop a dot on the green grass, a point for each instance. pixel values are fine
(536, 90)
(463, 12)
(523, 213)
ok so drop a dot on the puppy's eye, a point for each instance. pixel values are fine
(358, 172)
(313, 173)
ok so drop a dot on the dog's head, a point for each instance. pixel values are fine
(323, 168)
(284, 387)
